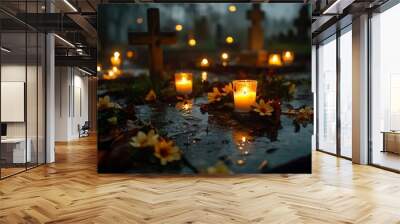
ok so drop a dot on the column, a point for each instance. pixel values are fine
(50, 92)
(360, 90)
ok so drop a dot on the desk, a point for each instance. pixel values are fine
(391, 141)
(15, 148)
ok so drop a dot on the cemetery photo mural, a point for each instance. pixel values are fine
(205, 88)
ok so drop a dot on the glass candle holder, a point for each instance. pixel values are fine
(275, 60)
(288, 57)
(244, 94)
(115, 61)
(183, 83)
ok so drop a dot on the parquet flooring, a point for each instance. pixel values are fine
(71, 191)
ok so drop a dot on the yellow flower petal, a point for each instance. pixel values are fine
(151, 96)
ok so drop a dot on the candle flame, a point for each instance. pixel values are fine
(245, 90)
(224, 56)
(192, 42)
(229, 39)
(275, 60)
(178, 27)
(243, 139)
(232, 8)
(130, 54)
(203, 76)
(204, 62)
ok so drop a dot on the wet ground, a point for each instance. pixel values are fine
(206, 138)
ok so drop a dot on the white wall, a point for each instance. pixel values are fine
(71, 94)
(33, 127)
(16, 73)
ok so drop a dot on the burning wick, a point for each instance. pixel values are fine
(243, 139)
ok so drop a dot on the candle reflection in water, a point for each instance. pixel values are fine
(242, 140)
(185, 106)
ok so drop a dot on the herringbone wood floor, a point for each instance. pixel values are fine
(71, 191)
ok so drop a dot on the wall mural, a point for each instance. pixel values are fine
(207, 88)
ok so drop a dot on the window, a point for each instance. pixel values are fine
(326, 91)
(385, 89)
(346, 93)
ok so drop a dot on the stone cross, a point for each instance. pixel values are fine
(256, 31)
(154, 39)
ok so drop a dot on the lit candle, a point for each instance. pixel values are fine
(244, 94)
(116, 61)
(110, 75)
(204, 62)
(192, 42)
(224, 56)
(288, 57)
(178, 27)
(183, 83)
(232, 8)
(275, 60)
(229, 40)
(204, 76)
(130, 54)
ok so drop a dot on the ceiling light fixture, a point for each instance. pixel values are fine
(70, 5)
(64, 40)
(5, 50)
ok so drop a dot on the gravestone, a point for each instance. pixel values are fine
(256, 31)
(154, 38)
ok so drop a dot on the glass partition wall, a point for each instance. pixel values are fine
(334, 94)
(22, 77)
